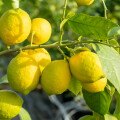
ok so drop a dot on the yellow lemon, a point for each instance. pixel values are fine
(10, 104)
(97, 86)
(84, 2)
(56, 77)
(15, 25)
(86, 67)
(40, 55)
(42, 29)
(23, 74)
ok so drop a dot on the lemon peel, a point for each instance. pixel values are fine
(23, 74)
(56, 77)
(15, 26)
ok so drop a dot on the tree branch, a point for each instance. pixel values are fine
(52, 46)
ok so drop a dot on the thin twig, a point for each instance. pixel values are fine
(53, 46)
(63, 17)
(105, 9)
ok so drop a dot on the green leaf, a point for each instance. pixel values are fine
(98, 102)
(4, 79)
(75, 86)
(110, 60)
(88, 117)
(110, 117)
(117, 109)
(114, 31)
(114, 43)
(69, 15)
(91, 26)
(24, 115)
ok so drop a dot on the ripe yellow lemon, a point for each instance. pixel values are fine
(86, 67)
(10, 104)
(23, 74)
(40, 55)
(15, 26)
(84, 2)
(42, 29)
(97, 86)
(56, 77)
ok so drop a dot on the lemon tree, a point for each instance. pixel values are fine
(90, 63)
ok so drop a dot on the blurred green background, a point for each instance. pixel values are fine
(52, 11)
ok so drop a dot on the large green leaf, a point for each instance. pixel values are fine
(98, 102)
(91, 26)
(114, 31)
(4, 79)
(110, 60)
(75, 86)
(88, 117)
(24, 115)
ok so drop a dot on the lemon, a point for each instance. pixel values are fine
(15, 25)
(86, 67)
(42, 29)
(56, 77)
(84, 2)
(23, 74)
(10, 104)
(40, 55)
(97, 86)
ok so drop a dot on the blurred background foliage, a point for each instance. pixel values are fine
(52, 11)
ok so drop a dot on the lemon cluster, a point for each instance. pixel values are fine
(30, 67)
(86, 67)
(16, 26)
(33, 66)
(25, 69)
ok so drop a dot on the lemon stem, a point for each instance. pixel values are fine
(70, 50)
(61, 51)
(105, 9)
(63, 17)
(33, 33)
